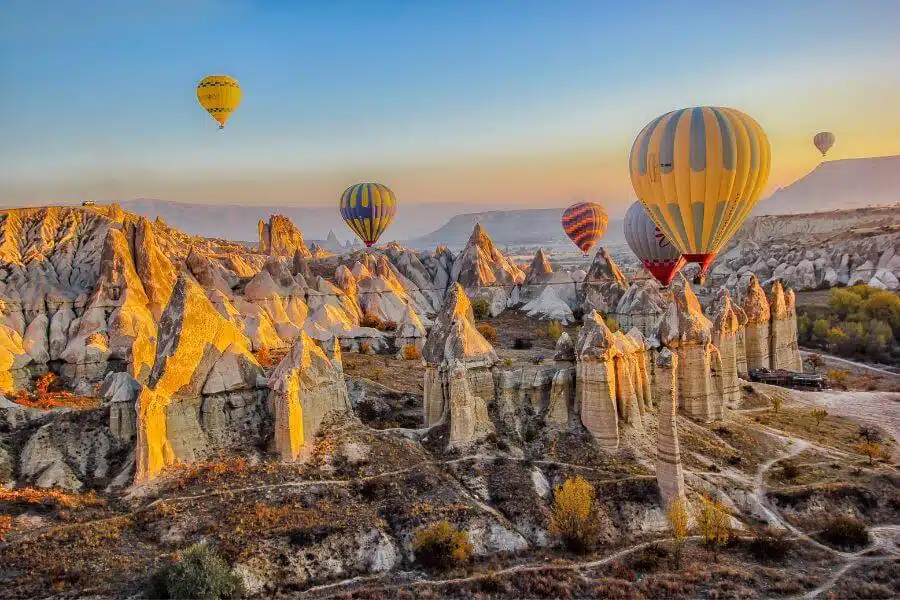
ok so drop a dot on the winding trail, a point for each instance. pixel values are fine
(851, 362)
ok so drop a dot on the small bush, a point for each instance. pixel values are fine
(872, 451)
(714, 524)
(554, 330)
(769, 545)
(488, 331)
(371, 321)
(441, 546)
(264, 357)
(43, 383)
(5, 525)
(870, 434)
(365, 348)
(388, 326)
(522, 344)
(611, 323)
(540, 332)
(411, 352)
(649, 558)
(819, 414)
(481, 309)
(574, 518)
(198, 573)
(845, 532)
(837, 378)
(789, 470)
(507, 362)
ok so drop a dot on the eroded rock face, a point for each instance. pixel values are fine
(756, 307)
(198, 352)
(726, 325)
(484, 272)
(596, 381)
(669, 474)
(605, 285)
(687, 332)
(458, 380)
(641, 306)
(305, 388)
(280, 237)
(783, 350)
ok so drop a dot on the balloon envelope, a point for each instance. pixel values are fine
(649, 244)
(219, 95)
(699, 172)
(823, 140)
(585, 223)
(368, 209)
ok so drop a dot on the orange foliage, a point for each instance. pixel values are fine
(44, 382)
(264, 357)
(488, 331)
(5, 525)
(411, 352)
(48, 497)
(50, 400)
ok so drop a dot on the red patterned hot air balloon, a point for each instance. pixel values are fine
(649, 244)
(585, 223)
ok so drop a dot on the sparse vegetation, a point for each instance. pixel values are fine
(5, 525)
(522, 344)
(264, 357)
(859, 321)
(441, 546)
(789, 470)
(819, 414)
(388, 326)
(411, 352)
(52, 497)
(554, 330)
(611, 323)
(198, 573)
(49, 394)
(678, 519)
(769, 545)
(574, 518)
(870, 450)
(487, 330)
(777, 402)
(837, 378)
(372, 321)
(845, 533)
(365, 348)
(714, 525)
(481, 309)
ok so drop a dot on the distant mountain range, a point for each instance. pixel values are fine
(838, 184)
(848, 183)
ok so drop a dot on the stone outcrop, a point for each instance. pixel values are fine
(484, 272)
(756, 332)
(204, 382)
(604, 285)
(280, 237)
(726, 325)
(783, 350)
(306, 387)
(669, 474)
(458, 379)
(687, 332)
(641, 306)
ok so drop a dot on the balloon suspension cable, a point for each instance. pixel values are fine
(221, 127)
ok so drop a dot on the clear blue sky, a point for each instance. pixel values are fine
(103, 90)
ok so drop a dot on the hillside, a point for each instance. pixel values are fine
(839, 184)
(521, 227)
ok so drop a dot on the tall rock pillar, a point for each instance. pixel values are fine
(668, 457)
(756, 307)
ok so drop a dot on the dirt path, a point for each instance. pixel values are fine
(858, 365)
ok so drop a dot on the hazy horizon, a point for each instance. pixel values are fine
(522, 104)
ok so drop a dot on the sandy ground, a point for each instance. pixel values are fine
(881, 409)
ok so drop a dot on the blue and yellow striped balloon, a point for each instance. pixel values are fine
(368, 209)
(699, 172)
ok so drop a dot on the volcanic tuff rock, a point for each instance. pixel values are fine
(726, 326)
(756, 307)
(484, 272)
(280, 237)
(641, 306)
(783, 350)
(604, 285)
(669, 474)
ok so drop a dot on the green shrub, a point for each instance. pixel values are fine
(844, 301)
(481, 309)
(820, 329)
(845, 532)
(441, 546)
(198, 573)
(611, 323)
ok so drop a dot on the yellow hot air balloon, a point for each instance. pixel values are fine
(220, 95)
(699, 172)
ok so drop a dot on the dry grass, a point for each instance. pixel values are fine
(488, 331)
(405, 376)
(834, 431)
(49, 394)
(411, 352)
(51, 498)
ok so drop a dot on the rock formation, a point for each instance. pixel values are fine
(604, 285)
(484, 272)
(726, 325)
(756, 332)
(783, 350)
(641, 306)
(306, 387)
(280, 237)
(687, 332)
(795, 363)
(668, 459)
(458, 380)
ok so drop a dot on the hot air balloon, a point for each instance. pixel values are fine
(699, 172)
(823, 140)
(649, 244)
(368, 209)
(585, 223)
(219, 95)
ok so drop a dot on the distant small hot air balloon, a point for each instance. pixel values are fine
(368, 209)
(823, 140)
(699, 172)
(219, 95)
(585, 223)
(649, 244)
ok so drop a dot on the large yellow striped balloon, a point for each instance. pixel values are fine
(220, 95)
(699, 172)
(368, 209)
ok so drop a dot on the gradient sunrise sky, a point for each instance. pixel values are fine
(525, 102)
